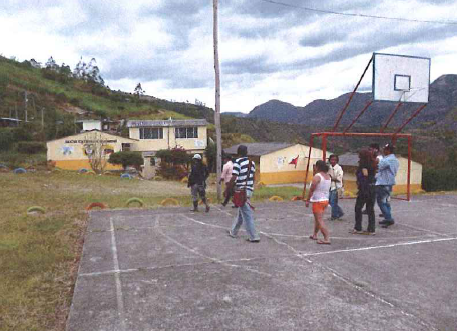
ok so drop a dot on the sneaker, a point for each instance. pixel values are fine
(383, 222)
(229, 232)
(253, 240)
(369, 233)
(354, 231)
(387, 224)
(223, 204)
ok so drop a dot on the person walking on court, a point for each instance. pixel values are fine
(336, 174)
(385, 180)
(197, 182)
(365, 175)
(226, 175)
(243, 181)
(318, 194)
(377, 156)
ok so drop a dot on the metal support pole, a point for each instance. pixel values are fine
(324, 147)
(350, 98)
(311, 139)
(360, 114)
(391, 116)
(408, 185)
(411, 118)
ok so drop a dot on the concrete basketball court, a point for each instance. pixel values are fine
(171, 269)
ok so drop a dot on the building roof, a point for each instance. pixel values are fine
(349, 159)
(94, 130)
(258, 149)
(165, 123)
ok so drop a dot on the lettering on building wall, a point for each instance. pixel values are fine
(90, 141)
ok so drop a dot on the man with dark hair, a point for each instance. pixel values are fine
(226, 176)
(197, 182)
(243, 179)
(385, 180)
(336, 174)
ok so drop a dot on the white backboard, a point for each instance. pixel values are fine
(400, 78)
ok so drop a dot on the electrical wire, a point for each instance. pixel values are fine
(358, 15)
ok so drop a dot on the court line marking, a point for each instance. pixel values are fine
(380, 246)
(192, 250)
(119, 296)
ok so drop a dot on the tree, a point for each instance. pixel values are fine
(94, 149)
(139, 90)
(51, 64)
(127, 159)
(173, 163)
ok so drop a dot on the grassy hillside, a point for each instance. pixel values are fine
(62, 97)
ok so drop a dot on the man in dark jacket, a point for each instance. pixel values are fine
(197, 182)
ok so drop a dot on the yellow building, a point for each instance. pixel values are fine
(146, 136)
(72, 152)
(349, 163)
(154, 135)
(275, 162)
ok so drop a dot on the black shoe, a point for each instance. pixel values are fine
(223, 204)
(253, 241)
(387, 224)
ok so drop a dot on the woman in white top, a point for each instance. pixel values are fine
(318, 194)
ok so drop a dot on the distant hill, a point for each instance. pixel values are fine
(234, 113)
(440, 113)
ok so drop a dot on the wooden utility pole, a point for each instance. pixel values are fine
(25, 105)
(217, 114)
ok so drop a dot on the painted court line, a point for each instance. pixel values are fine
(119, 296)
(379, 247)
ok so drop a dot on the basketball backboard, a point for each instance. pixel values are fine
(400, 78)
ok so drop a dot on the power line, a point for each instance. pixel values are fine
(358, 15)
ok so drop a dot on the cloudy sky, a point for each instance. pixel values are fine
(267, 50)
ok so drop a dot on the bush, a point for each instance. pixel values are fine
(173, 163)
(31, 147)
(6, 139)
(439, 180)
(127, 159)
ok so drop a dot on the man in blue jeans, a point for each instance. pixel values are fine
(243, 179)
(385, 180)
(336, 174)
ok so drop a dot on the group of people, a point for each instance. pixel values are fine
(239, 182)
(375, 178)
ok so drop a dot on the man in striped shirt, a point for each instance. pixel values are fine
(243, 177)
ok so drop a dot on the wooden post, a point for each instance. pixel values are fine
(217, 117)
(42, 118)
(25, 105)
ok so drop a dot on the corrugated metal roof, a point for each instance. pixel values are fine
(165, 123)
(349, 159)
(258, 149)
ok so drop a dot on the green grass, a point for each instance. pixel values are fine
(39, 254)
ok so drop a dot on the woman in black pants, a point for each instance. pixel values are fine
(366, 192)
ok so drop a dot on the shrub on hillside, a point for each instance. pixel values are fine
(31, 147)
(126, 159)
(6, 139)
(439, 180)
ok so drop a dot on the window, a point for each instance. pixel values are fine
(125, 147)
(151, 133)
(186, 132)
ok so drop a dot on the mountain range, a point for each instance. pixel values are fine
(440, 113)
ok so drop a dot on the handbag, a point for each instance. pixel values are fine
(240, 196)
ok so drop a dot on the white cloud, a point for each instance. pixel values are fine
(266, 51)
